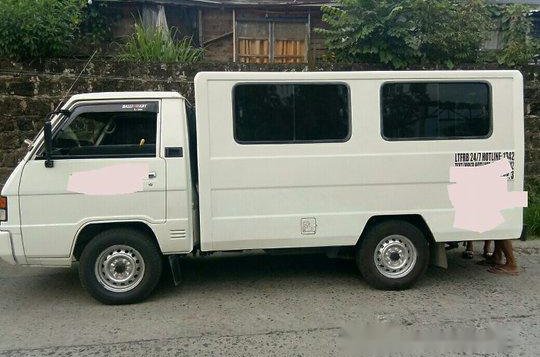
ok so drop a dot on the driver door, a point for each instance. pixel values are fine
(106, 168)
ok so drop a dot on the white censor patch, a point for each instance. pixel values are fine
(387, 339)
(480, 193)
(118, 179)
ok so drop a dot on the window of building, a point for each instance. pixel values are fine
(129, 132)
(271, 41)
(291, 113)
(435, 110)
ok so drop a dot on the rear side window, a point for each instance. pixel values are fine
(107, 134)
(291, 113)
(431, 110)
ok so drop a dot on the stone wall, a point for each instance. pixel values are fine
(29, 91)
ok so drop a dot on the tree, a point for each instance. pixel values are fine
(38, 28)
(406, 32)
(518, 47)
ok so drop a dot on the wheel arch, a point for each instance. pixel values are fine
(415, 219)
(91, 229)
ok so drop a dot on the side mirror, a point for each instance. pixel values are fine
(47, 132)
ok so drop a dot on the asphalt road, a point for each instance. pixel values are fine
(305, 305)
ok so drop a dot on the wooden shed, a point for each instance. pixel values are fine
(250, 31)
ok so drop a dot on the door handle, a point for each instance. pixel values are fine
(152, 175)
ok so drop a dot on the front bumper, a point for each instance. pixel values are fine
(6, 248)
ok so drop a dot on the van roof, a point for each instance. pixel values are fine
(125, 95)
(351, 75)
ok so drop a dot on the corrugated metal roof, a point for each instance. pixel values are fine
(279, 2)
(276, 3)
(234, 3)
(528, 2)
(315, 3)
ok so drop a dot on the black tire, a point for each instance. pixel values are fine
(141, 244)
(381, 233)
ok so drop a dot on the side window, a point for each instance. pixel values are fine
(291, 113)
(435, 110)
(107, 134)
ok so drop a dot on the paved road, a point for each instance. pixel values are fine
(274, 305)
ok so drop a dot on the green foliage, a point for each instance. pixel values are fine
(532, 212)
(406, 32)
(519, 47)
(368, 31)
(449, 32)
(38, 28)
(95, 26)
(153, 44)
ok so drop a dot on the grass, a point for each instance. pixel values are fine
(153, 44)
(532, 212)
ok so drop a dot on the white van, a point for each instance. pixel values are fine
(349, 162)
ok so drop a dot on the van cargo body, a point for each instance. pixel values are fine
(356, 161)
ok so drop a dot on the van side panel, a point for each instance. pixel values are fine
(260, 195)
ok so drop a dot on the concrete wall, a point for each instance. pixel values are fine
(28, 92)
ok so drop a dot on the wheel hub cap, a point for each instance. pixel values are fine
(119, 268)
(395, 256)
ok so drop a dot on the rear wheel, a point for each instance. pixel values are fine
(120, 266)
(393, 255)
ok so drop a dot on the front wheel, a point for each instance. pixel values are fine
(120, 266)
(393, 255)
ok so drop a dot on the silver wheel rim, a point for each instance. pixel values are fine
(395, 256)
(119, 268)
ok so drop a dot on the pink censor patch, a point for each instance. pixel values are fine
(480, 193)
(118, 179)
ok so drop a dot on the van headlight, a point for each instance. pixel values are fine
(3, 209)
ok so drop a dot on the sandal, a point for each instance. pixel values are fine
(487, 263)
(501, 269)
(487, 255)
(490, 261)
(468, 254)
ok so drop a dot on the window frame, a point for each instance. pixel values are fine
(82, 108)
(441, 138)
(295, 142)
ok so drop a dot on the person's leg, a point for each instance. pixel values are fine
(509, 254)
(498, 253)
(469, 251)
(487, 248)
(510, 266)
(496, 258)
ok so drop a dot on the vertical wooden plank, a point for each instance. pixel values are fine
(234, 34)
(242, 49)
(266, 51)
(290, 51)
(270, 41)
(200, 25)
(256, 50)
(307, 49)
